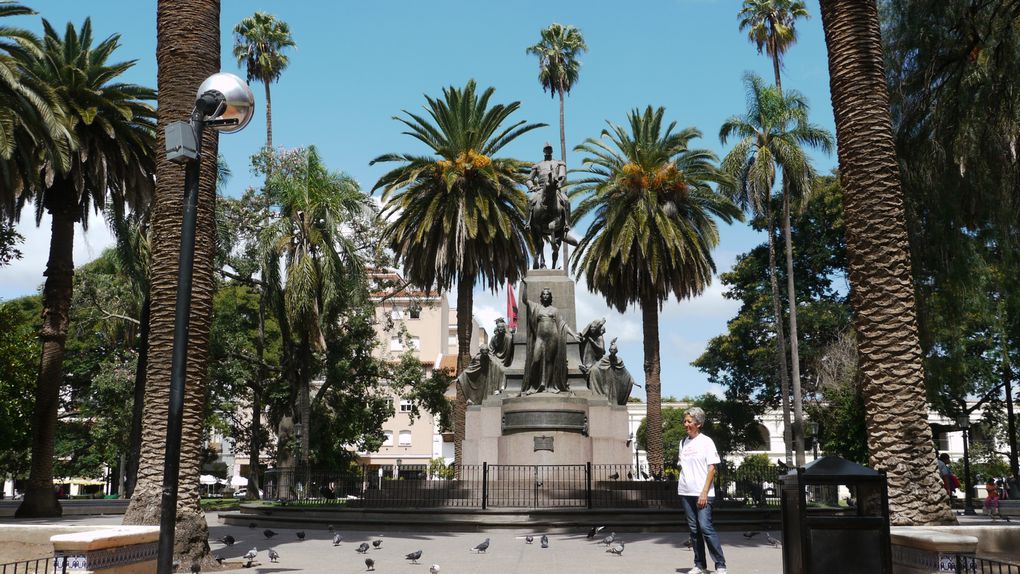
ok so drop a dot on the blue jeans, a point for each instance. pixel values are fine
(699, 522)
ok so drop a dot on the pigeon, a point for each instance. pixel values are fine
(377, 544)
(434, 569)
(783, 467)
(414, 556)
(751, 534)
(529, 539)
(196, 567)
(337, 539)
(228, 540)
(609, 539)
(545, 541)
(644, 475)
(274, 556)
(300, 534)
(630, 475)
(219, 559)
(252, 525)
(363, 548)
(594, 530)
(615, 476)
(775, 543)
(370, 564)
(251, 554)
(483, 546)
(268, 533)
(616, 549)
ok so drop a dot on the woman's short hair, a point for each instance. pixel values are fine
(696, 413)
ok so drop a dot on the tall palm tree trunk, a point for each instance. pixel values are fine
(465, 306)
(187, 51)
(563, 129)
(138, 406)
(899, 437)
(269, 118)
(791, 296)
(40, 498)
(653, 386)
(777, 310)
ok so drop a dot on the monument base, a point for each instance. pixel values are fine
(546, 429)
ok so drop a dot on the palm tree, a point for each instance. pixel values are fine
(259, 41)
(459, 215)
(194, 24)
(885, 318)
(772, 133)
(319, 261)
(653, 229)
(558, 66)
(770, 25)
(32, 126)
(113, 127)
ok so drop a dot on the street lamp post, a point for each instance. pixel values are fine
(226, 104)
(963, 421)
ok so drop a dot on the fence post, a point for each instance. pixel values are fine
(587, 485)
(485, 485)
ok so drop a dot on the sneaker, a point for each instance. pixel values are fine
(695, 570)
(720, 571)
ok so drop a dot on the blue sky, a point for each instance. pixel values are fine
(359, 64)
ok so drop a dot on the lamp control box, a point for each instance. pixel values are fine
(181, 146)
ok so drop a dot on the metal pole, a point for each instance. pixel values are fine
(485, 485)
(179, 360)
(968, 504)
(587, 486)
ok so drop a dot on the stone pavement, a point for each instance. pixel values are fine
(568, 553)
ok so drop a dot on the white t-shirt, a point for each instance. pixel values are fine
(695, 456)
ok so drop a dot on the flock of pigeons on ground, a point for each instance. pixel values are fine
(612, 544)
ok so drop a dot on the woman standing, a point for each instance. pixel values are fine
(698, 460)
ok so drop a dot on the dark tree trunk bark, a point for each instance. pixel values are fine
(653, 386)
(255, 448)
(187, 52)
(138, 407)
(791, 295)
(40, 499)
(269, 119)
(899, 437)
(465, 307)
(563, 130)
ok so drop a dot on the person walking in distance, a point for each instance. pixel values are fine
(698, 461)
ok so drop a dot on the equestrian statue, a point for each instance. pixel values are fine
(548, 208)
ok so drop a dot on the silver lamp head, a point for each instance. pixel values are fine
(238, 99)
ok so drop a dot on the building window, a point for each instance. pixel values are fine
(405, 438)
(414, 311)
(395, 344)
(405, 405)
(396, 313)
(416, 343)
(943, 441)
(388, 440)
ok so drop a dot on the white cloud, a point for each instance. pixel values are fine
(25, 276)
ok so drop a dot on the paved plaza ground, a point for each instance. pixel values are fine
(568, 553)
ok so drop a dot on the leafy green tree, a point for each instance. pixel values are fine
(259, 42)
(653, 230)
(18, 347)
(558, 66)
(9, 240)
(458, 216)
(114, 128)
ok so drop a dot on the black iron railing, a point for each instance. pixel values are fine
(45, 565)
(505, 486)
(972, 565)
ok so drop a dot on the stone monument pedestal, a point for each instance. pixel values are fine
(546, 429)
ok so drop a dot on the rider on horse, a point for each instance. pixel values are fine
(544, 184)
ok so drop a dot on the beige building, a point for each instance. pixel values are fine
(423, 322)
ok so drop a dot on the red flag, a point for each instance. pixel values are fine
(511, 307)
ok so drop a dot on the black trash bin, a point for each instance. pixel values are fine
(835, 519)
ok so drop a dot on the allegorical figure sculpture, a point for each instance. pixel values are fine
(482, 377)
(591, 344)
(501, 345)
(548, 207)
(545, 367)
(610, 378)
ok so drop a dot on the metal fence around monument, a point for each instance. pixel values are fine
(485, 486)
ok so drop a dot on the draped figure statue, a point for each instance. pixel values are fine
(592, 345)
(545, 366)
(610, 378)
(482, 377)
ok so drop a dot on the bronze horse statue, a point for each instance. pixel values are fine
(548, 219)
